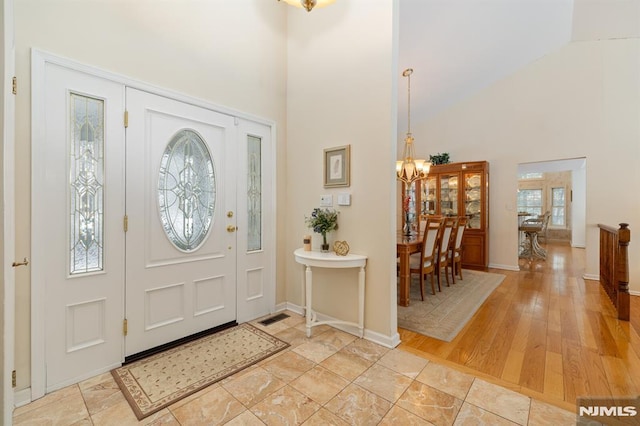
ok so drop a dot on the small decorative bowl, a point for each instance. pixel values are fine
(341, 248)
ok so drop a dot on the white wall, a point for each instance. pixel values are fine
(605, 19)
(232, 53)
(579, 211)
(581, 101)
(341, 72)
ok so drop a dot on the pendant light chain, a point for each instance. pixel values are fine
(409, 103)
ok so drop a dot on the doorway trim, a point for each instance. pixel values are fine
(7, 250)
(577, 193)
(39, 60)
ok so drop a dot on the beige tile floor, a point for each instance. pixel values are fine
(331, 378)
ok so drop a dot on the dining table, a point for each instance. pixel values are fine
(532, 248)
(406, 245)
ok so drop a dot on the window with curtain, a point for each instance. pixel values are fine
(530, 200)
(558, 207)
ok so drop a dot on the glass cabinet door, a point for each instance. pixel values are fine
(429, 197)
(449, 195)
(473, 199)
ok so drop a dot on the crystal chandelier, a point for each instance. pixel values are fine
(410, 169)
(308, 4)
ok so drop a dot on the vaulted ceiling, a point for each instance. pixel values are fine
(458, 47)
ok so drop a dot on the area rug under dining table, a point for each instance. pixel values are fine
(153, 383)
(444, 314)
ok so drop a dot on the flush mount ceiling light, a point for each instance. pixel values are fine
(308, 4)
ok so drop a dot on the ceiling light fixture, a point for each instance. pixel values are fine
(410, 169)
(308, 4)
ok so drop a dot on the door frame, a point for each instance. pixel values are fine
(39, 60)
(7, 250)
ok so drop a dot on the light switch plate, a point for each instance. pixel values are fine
(326, 200)
(344, 199)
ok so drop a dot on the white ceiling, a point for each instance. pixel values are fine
(458, 47)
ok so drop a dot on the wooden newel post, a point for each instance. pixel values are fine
(622, 269)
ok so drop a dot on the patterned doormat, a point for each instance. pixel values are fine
(153, 383)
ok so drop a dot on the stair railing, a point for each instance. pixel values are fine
(614, 266)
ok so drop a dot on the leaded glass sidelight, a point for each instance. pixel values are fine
(254, 193)
(86, 184)
(186, 190)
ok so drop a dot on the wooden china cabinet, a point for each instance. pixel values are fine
(457, 189)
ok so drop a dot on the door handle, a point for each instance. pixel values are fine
(231, 228)
(25, 262)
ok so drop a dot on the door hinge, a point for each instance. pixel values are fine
(14, 379)
(14, 85)
(125, 223)
(126, 119)
(125, 327)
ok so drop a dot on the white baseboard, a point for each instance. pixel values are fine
(594, 277)
(287, 306)
(381, 339)
(505, 267)
(386, 341)
(21, 397)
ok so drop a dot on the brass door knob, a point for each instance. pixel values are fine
(231, 228)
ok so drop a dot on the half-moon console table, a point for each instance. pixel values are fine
(331, 260)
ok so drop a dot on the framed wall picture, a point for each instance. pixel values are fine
(336, 166)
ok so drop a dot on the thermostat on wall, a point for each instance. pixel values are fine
(344, 199)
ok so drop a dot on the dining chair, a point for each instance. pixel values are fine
(542, 221)
(445, 245)
(422, 225)
(455, 254)
(426, 262)
(545, 225)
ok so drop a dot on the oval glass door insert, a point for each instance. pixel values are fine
(186, 190)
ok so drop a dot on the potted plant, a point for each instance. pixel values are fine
(323, 221)
(439, 158)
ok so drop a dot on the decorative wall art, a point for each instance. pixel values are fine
(336, 166)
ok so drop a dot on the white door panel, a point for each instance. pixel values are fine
(77, 202)
(172, 292)
(256, 236)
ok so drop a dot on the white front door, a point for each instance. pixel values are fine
(196, 189)
(77, 207)
(181, 208)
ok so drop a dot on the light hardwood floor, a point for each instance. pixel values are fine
(548, 333)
